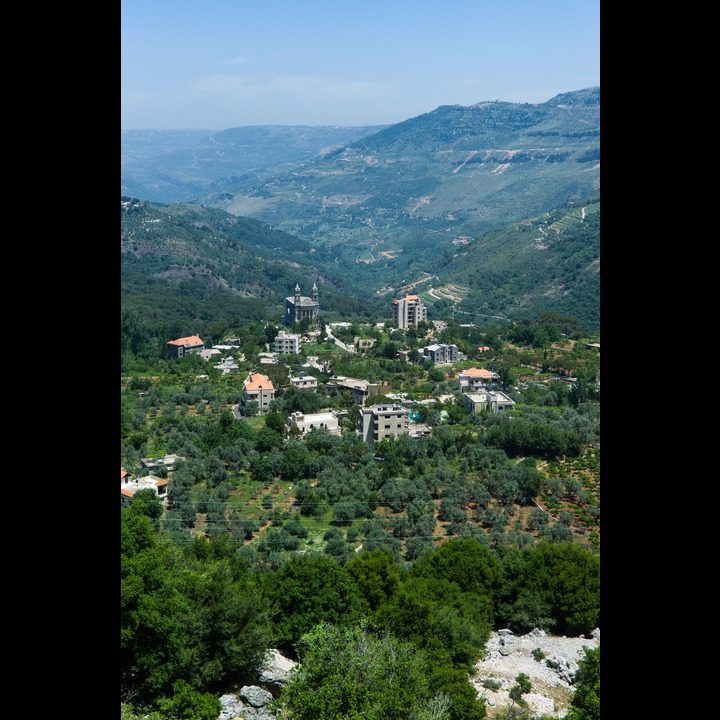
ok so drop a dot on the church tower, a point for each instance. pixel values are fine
(299, 307)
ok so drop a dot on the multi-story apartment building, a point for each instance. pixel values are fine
(442, 354)
(381, 421)
(287, 343)
(408, 311)
(259, 387)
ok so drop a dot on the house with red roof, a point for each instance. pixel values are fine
(182, 346)
(474, 379)
(129, 486)
(259, 387)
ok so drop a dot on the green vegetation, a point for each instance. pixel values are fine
(382, 569)
(409, 548)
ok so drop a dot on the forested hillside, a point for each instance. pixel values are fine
(413, 189)
(189, 265)
(195, 264)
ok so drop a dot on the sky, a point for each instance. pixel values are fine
(219, 64)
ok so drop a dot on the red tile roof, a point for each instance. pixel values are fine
(477, 372)
(258, 381)
(190, 341)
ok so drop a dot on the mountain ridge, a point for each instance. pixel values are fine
(456, 171)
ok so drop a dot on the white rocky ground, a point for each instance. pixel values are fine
(508, 655)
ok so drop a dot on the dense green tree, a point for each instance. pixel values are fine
(468, 563)
(147, 502)
(585, 704)
(376, 575)
(567, 578)
(189, 704)
(268, 439)
(349, 673)
(151, 639)
(435, 614)
(276, 422)
(261, 469)
(306, 590)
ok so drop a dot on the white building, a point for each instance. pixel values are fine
(306, 423)
(304, 382)
(287, 343)
(408, 311)
(259, 387)
(129, 486)
(442, 354)
(494, 401)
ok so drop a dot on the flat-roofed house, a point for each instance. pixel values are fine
(307, 422)
(259, 387)
(493, 401)
(287, 343)
(129, 486)
(442, 354)
(359, 389)
(304, 382)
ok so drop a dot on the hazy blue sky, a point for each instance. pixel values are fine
(218, 64)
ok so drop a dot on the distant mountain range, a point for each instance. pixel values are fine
(183, 165)
(488, 210)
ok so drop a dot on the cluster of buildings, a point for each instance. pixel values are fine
(377, 422)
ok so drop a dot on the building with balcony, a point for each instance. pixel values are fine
(408, 311)
(182, 346)
(442, 354)
(129, 486)
(359, 389)
(287, 343)
(259, 387)
(474, 379)
(381, 421)
(304, 382)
